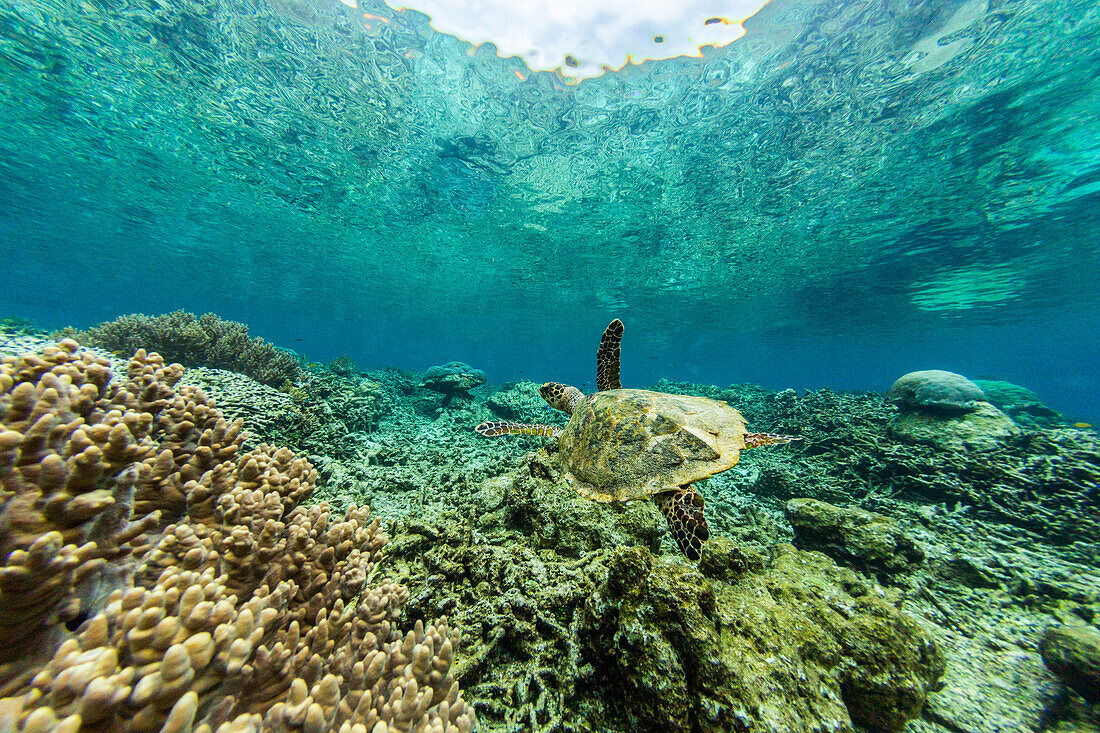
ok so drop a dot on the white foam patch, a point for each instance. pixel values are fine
(595, 35)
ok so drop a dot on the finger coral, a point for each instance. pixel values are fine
(206, 341)
(163, 579)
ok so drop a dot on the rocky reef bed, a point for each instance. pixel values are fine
(863, 579)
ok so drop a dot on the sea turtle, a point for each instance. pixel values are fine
(623, 444)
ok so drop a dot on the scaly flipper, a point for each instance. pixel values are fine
(756, 440)
(683, 509)
(500, 427)
(607, 357)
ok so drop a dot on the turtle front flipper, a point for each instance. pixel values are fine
(755, 440)
(683, 508)
(607, 357)
(497, 428)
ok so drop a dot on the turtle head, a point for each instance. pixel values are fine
(561, 396)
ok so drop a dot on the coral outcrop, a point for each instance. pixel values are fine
(1020, 403)
(851, 536)
(519, 402)
(1073, 653)
(983, 428)
(165, 579)
(934, 391)
(194, 341)
(798, 644)
(947, 410)
(453, 379)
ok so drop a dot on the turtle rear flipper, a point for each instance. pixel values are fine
(683, 508)
(497, 428)
(607, 357)
(755, 440)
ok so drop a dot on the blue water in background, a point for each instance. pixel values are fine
(850, 192)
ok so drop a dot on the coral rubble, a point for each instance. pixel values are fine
(162, 578)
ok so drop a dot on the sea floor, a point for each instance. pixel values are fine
(981, 550)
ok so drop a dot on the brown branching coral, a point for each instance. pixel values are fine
(213, 599)
(192, 340)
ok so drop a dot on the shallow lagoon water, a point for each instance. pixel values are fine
(850, 192)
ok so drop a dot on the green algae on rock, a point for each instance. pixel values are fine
(800, 645)
(1073, 653)
(852, 536)
(983, 428)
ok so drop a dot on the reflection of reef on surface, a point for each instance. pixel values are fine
(158, 577)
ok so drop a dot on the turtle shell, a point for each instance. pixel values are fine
(626, 444)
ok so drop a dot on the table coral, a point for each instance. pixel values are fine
(203, 594)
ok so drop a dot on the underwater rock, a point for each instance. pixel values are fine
(799, 645)
(453, 379)
(520, 401)
(1073, 653)
(935, 392)
(1019, 403)
(851, 536)
(723, 560)
(984, 428)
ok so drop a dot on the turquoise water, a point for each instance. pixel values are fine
(850, 192)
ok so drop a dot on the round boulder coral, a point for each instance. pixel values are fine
(935, 391)
(453, 379)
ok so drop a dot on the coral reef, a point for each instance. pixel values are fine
(852, 536)
(453, 379)
(519, 402)
(1043, 481)
(538, 580)
(1073, 653)
(267, 412)
(202, 593)
(1020, 403)
(332, 414)
(343, 366)
(796, 645)
(195, 341)
(934, 391)
(558, 635)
